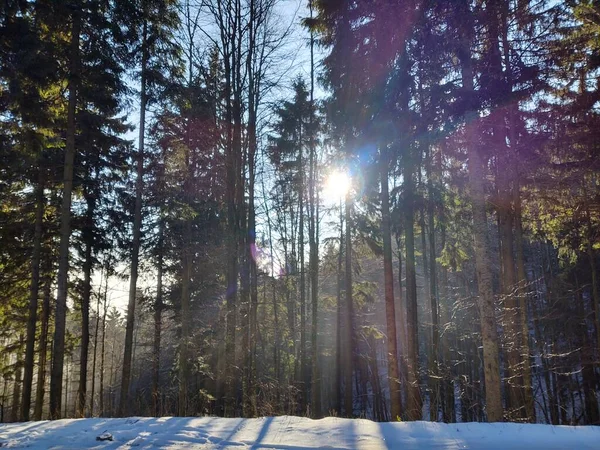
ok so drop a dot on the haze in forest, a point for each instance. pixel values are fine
(387, 210)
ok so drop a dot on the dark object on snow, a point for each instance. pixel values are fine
(104, 437)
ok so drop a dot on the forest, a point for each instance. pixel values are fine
(381, 209)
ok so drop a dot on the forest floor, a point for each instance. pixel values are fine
(289, 433)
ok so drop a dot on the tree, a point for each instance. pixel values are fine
(65, 215)
(392, 341)
(485, 300)
(295, 132)
(154, 27)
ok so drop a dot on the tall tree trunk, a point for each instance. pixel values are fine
(390, 307)
(402, 342)
(95, 356)
(254, 16)
(88, 237)
(43, 350)
(303, 359)
(111, 399)
(314, 238)
(232, 152)
(587, 366)
(449, 412)
(414, 404)
(277, 332)
(231, 294)
(187, 259)
(40, 203)
(244, 297)
(3, 398)
(485, 299)
(493, 14)
(58, 353)
(103, 345)
(16, 400)
(184, 372)
(69, 370)
(540, 332)
(349, 341)
(521, 279)
(252, 255)
(340, 317)
(276, 343)
(290, 258)
(137, 232)
(240, 156)
(523, 294)
(511, 322)
(594, 273)
(433, 294)
(186, 275)
(158, 307)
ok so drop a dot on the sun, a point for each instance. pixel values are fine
(337, 185)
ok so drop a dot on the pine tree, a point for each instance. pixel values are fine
(154, 23)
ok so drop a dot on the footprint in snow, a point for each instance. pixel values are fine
(136, 442)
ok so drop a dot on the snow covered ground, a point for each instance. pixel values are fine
(290, 433)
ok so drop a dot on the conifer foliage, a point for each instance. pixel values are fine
(382, 209)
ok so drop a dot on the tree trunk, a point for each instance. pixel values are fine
(314, 238)
(3, 398)
(520, 291)
(433, 294)
(523, 294)
(340, 316)
(303, 359)
(186, 264)
(69, 369)
(58, 354)
(594, 274)
(254, 16)
(445, 312)
(252, 256)
(510, 317)
(88, 237)
(349, 344)
(314, 285)
(158, 307)
(414, 406)
(232, 151)
(137, 231)
(43, 350)
(240, 157)
(401, 314)
(16, 400)
(40, 203)
(95, 356)
(102, 348)
(485, 299)
(587, 366)
(184, 372)
(390, 307)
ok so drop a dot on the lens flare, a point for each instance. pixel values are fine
(338, 183)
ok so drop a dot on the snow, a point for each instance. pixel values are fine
(289, 433)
